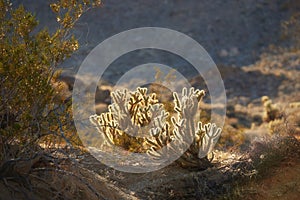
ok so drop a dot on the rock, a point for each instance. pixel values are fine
(234, 51)
(223, 53)
(101, 108)
(102, 96)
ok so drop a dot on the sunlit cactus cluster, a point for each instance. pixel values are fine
(138, 122)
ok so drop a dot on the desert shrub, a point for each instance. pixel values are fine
(138, 122)
(289, 124)
(286, 54)
(291, 29)
(267, 153)
(293, 119)
(277, 126)
(32, 111)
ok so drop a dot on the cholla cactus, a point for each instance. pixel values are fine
(185, 126)
(131, 117)
(271, 111)
(137, 118)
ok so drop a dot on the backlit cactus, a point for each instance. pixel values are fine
(138, 122)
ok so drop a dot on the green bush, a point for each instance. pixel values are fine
(31, 110)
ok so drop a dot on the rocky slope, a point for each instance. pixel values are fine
(233, 32)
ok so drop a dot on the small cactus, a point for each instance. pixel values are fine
(271, 111)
